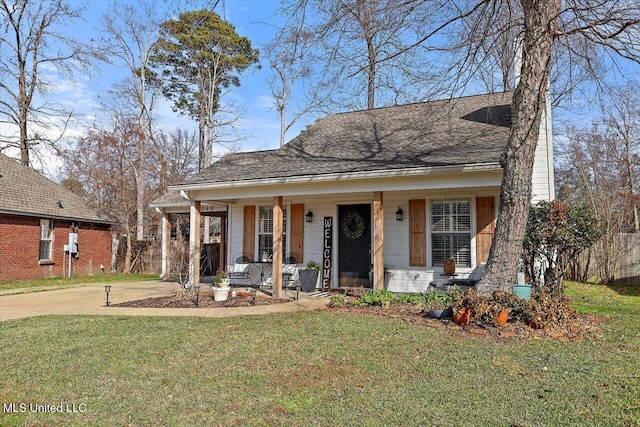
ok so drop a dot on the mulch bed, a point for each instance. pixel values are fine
(205, 300)
(581, 328)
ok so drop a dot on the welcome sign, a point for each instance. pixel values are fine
(326, 253)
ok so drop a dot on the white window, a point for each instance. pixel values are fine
(46, 234)
(265, 231)
(451, 232)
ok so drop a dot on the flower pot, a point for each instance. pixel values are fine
(522, 291)
(462, 316)
(502, 317)
(308, 280)
(441, 314)
(536, 324)
(220, 294)
(449, 266)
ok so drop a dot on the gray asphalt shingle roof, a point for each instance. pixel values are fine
(24, 191)
(468, 130)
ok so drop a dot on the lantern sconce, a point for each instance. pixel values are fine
(309, 216)
(399, 214)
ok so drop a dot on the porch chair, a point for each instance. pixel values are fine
(290, 273)
(238, 272)
(470, 281)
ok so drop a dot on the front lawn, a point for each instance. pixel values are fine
(319, 368)
(57, 282)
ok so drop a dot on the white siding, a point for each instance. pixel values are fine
(543, 174)
(401, 277)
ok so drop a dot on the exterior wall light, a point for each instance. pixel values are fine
(399, 214)
(309, 216)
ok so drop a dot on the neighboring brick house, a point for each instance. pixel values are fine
(36, 218)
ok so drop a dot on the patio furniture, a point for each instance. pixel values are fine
(290, 274)
(238, 272)
(471, 280)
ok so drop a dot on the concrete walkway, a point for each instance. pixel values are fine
(90, 300)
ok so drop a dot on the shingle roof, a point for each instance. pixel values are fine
(24, 191)
(468, 130)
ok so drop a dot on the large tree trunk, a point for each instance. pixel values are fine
(517, 161)
(140, 184)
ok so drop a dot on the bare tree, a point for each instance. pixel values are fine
(622, 120)
(290, 55)
(104, 162)
(174, 159)
(133, 33)
(31, 40)
(361, 50)
(599, 166)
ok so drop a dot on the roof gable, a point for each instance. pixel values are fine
(23, 191)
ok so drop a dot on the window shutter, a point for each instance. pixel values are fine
(417, 233)
(296, 233)
(249, 231)
(486, 220)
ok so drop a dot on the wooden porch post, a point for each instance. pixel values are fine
(166, 246)
(378, 241)
(277, 246)
(194, 243)
(223, 243)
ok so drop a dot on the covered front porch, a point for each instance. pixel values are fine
(396, 238)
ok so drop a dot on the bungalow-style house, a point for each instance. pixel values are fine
(45, 229)
(393, 191)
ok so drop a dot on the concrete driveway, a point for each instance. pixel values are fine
(90, 300)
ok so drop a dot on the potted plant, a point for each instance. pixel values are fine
(461, 307)
(500, 307)
(220, 286)
(438, 303)
(309, 276)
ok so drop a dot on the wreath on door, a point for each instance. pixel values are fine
(353, 225)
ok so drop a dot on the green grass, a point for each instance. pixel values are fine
(320, 368)
(49, 283)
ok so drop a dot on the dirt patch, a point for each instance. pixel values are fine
(205, 300)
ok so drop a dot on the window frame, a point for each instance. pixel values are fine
(46, 240)
(286, 231)
(453, 230)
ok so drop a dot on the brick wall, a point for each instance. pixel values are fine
(20, 249)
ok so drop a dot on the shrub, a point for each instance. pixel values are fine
(338, 300)
(556, 233)
(413, 299)
(378, 297)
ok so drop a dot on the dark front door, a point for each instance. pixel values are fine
(354, 245)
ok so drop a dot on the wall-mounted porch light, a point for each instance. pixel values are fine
(309, 216)
(399, 214)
